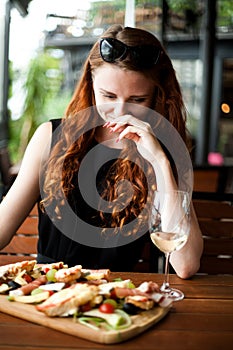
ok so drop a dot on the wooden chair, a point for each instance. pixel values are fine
(215, 215)
(213, 179)
(5, 166)
(5, 176)
(24, 244)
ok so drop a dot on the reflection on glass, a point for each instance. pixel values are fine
(189, 74)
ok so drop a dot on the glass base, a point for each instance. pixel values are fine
(172, 293)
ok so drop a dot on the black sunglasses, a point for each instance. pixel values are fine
(142, 55)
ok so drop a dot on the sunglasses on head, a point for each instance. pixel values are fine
(144, 56)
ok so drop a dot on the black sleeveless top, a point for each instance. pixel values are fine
(54, 245)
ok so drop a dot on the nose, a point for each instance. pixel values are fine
(121, 108)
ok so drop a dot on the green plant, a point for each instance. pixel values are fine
(43, 82)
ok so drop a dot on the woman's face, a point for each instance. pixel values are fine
(119, 92)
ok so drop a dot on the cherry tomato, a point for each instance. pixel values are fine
(107, 308)
(27, 278)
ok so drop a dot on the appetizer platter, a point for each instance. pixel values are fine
(81, 302)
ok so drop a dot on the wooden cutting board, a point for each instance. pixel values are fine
(140, 323)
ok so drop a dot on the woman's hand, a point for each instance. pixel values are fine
(131, 128)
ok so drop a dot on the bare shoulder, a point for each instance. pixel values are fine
(44, 130)
(41, 140)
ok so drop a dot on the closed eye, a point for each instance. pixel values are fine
(138, 99)
(109, 96)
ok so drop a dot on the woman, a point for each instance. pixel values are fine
(126, 73)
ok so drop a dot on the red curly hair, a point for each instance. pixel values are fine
(167, 101)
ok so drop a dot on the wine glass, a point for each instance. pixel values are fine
(169, 226)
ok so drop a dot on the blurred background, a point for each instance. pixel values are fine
(43, 44)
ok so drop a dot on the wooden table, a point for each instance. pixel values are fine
(203, 320)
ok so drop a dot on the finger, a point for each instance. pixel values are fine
(130, 136)
(113, 127)
(106, 125)
(115, 122)
(124, 120)
(128, 119)
(118, 128)
(130, 132)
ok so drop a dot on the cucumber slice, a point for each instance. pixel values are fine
(30, 299)
(117, 320)
(4, 288)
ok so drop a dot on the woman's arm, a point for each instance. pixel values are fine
(186, 261)
(25, 191)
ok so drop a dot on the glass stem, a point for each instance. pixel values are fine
(166, 286)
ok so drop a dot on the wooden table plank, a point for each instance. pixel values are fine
(197, 322)
(206, 292)
(28, 333)
(180, 339)
(204, 306)
(185, 340)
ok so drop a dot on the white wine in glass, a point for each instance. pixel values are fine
(169, 226)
